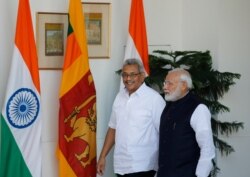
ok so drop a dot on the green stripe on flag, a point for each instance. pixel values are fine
(12, 163)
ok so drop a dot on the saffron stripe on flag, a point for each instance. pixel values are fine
(137, 45)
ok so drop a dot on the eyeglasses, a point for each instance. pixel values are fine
(131, 75)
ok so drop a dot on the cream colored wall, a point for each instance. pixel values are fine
(234, 47)
(219, 26)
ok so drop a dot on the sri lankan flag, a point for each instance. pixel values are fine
(77, 113)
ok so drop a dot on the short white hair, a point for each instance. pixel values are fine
(184, 76)
(134, 61)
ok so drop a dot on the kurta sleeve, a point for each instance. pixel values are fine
(201, 123)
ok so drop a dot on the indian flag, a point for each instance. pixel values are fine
(20, 119)
(77, 112)
(137, 45)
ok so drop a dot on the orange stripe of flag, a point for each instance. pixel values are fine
(73, 51)
(137, 30)
(72, 73)
(27, 47)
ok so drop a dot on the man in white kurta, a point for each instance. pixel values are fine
(134, 126)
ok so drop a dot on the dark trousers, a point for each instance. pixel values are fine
(150, 173)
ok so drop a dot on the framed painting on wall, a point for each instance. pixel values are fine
(51, 34)
(51, 39)
(97, 24)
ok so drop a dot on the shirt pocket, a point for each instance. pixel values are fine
(140, 118)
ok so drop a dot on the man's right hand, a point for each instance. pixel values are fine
(101, 166)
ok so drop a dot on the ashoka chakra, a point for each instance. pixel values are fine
(22, 108)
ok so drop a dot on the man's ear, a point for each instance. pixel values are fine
(143, 76)
(184, 86)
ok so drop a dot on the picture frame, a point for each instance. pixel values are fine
(97, 24)
(51, 37)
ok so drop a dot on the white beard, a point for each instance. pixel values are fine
(173, 96)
